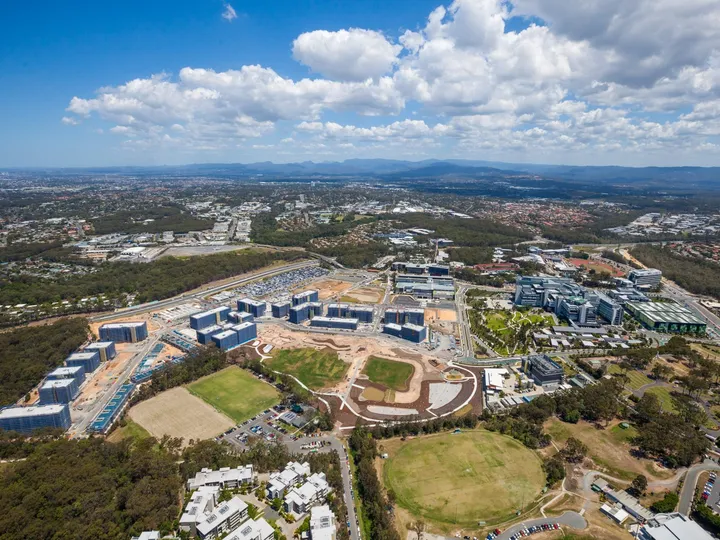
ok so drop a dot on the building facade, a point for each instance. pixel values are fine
(26, 420)
(129, 332)
(106, 349)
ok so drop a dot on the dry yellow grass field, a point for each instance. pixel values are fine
(178, 413)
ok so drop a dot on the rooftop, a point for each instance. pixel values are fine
(34, 410)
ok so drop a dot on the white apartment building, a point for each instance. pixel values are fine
(322, 523)
(299, 500)
(225, 477)
(279, 482)
(224, 518)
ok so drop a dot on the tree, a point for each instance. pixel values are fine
(648, 408)
(667, 504)
(418, 527)
(639, 484)
(574, 451)
(554, 470)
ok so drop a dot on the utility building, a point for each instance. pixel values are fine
(89, 360)
(209, 318)
(58, 391)
(306, 296)
(129, 332)
(543, 370)
(106, 349)
(26, 420)
(280, 309)
(255, 307)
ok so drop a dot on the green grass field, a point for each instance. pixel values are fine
(316, 369)
(464, 478)
(236, 393)
(636, 379)
(390, 373)
(130, 430)
(663, 395)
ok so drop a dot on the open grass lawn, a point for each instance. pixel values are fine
(609, 448)
(236, 393)
(130, 430)
(463, 478)
(663, 394)
(316, 369)
(349, 300)
(390, 373)
(636, 379)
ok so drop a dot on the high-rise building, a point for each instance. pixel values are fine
(127, 332)
(226, 340)
(71, 372)
(280, 309)
(106, 349)
(58, 391)
(28, 419)
(89, 360)
(304, 297)
(334, 322)
(300, 313)
(209, 318)
(205, 335)
(255, 307)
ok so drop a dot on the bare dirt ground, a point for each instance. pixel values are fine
(366, 295)
(327, 288)
(355, 350)
(105, 375)
(178, 413)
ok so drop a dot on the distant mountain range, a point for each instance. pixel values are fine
(398, 169)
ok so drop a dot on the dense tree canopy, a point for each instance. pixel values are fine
(89, 489)
(699, 276)
(156, 280)
(28, 353)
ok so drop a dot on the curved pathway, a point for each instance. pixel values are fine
(345, 403)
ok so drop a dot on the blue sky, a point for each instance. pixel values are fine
(382, 81)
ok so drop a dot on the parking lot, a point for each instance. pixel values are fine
(265, 425)
(711, 492)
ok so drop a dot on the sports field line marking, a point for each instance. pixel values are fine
(358, 386)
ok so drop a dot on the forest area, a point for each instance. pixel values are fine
(164, 218)
(28, 353)
(699, 276)
(155, 280)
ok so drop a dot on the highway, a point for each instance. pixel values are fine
(184, 298)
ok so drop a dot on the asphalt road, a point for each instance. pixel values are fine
(688, 490)
(568, 519)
